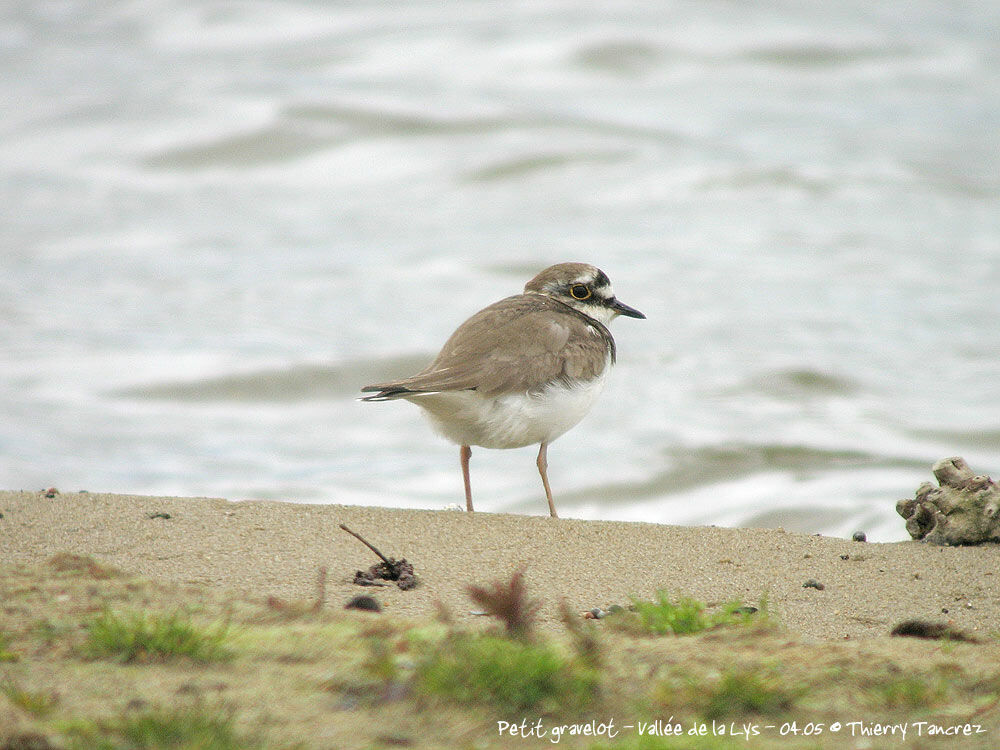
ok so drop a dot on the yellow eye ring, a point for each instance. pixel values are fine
(579, 291)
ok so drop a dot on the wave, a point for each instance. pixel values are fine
(299, 383)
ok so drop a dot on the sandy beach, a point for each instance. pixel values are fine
(294, 669)
(276, 549)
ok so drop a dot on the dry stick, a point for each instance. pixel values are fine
(370, 546)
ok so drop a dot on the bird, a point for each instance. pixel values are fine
(521, 371)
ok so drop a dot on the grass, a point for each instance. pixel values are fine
(749, 690)
(506, 674)
(136, 637)
(908, 691)
(511, 671)
(37, 703)
(193, 727)
(329, 678)
(736, 691)
(6, 654)
(681, 617)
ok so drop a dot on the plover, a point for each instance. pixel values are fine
(523, 370)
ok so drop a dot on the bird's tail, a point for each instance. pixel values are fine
(384, 394)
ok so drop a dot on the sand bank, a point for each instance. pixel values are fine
(275, 548)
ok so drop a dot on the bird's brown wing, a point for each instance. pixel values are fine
(516, 345)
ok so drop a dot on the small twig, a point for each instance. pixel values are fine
(369, 545)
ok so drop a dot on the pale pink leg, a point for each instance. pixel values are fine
(543, 466)
(464, 454)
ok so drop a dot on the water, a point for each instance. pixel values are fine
(221, 219)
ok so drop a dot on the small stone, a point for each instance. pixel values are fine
(812, 583)
(596, 614)
(159, 514)
(50, 492)
(845, 557)
(859, 536)
(364, 603)
(614, 609)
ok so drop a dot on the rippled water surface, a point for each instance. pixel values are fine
(220, 219)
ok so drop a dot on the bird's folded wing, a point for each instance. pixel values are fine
(516, 345)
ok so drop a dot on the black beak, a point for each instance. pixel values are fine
(622, 309)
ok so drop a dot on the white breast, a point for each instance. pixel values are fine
(512, 420)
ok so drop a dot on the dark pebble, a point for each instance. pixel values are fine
(746, 609)
(365, 603)
(812, 583)
(158, 515)
(860, 536)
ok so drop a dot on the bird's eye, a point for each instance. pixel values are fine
(579, 291)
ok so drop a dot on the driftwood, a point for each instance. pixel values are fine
(964, 509)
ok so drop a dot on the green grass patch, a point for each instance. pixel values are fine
(137, 637)
(6, 655)
(36, 703)
(749, 690)
(508, 674)
(681, 617)
(193, 727)
(735, 692)
(908, 691)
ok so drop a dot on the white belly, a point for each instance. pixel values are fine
(513, 420)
